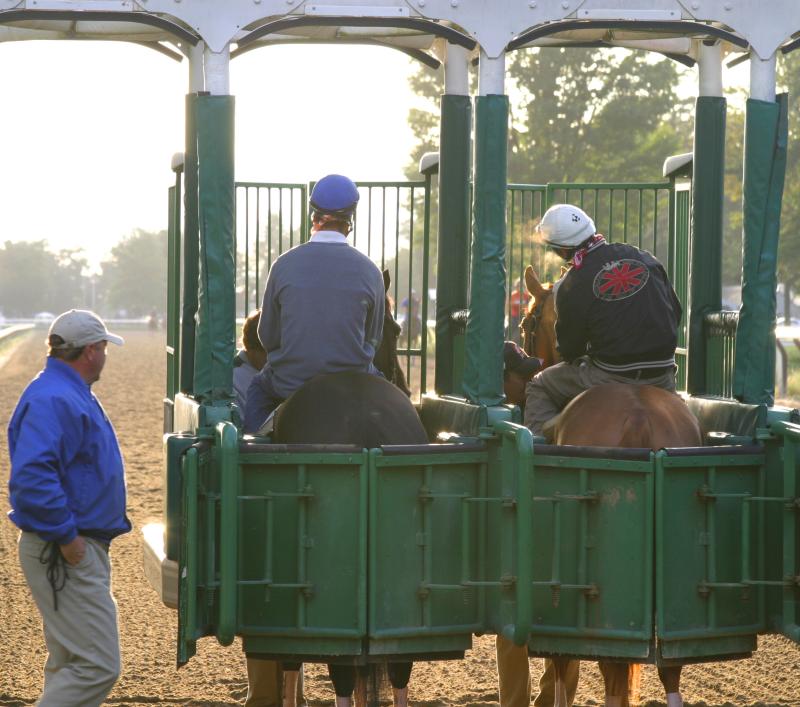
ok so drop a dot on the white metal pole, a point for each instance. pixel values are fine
(456, 71)
(492, 75)
(709, 64)
(762, 78)
(197, 82)
(217, 71)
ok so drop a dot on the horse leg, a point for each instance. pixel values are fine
(360, 693)
(560, 689)
(671, 680)
(290, 678)
(621, 683)
(343, 678)
(399, 675)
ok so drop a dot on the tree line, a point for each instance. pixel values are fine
(132, 282)
(600, 115)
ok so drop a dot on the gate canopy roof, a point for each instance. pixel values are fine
(411, 25)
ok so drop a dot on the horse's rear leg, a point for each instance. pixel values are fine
(399, 675)
(671, 680)
(621, 683)
(560, 696)
(290, 678)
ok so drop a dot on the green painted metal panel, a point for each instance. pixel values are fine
(706, 229)
(710, 563)
(452, 269)
(191, 240)
(173, 291)
(175, 446)
(789, 541)
(197, 580)
(302, 552)
(216, 315)
(591, 517)
(678, 271)
(766, 135)
(483, 369)
(227, 455)
(427, 550)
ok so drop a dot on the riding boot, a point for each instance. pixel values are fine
(290, 687)
(674, 699)
(400, 696)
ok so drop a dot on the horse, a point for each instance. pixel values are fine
(609, 415)
(368, 411)
(386, 359)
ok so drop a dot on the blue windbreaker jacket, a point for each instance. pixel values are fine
(67, 474)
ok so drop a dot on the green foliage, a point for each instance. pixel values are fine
(34, 279)
(424, 119)
(134, 279)
(593, 115)
(577, 115)
(789, 252)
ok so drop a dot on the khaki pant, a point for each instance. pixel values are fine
(549, 391)
(265, 684)
(513, 672)
(82, 637)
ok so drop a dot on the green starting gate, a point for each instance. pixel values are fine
(492, 531)
(666, 557)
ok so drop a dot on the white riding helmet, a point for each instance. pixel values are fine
(566, 226)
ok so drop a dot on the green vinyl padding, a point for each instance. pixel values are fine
(730, 416)
(451, 414)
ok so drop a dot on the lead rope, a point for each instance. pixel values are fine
(56, 568)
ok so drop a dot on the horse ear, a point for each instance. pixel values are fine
(532, 282)
(387, 280)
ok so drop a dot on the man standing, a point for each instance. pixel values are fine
(323, 305)
(617, 317)
(67, 494)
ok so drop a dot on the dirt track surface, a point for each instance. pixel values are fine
(131, 391)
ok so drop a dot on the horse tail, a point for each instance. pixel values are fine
(636, 431)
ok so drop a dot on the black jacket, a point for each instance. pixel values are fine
(619, 308)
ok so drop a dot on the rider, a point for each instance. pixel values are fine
(323, 305)
(617, 317)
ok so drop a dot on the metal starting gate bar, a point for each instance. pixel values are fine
(393, 225)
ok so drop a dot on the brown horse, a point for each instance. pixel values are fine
(386, 359)
(610, 415)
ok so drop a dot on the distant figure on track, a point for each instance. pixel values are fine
(67, 494)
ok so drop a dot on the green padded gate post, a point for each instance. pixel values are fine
(452, 269)
(190, 249)
(706, 230)
(216, 329)
(483, 370)
(766, 134)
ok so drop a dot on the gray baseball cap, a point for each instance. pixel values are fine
(80, 327)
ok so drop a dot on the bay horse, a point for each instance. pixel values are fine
(386, 359)
(609, 415)
(368, 411)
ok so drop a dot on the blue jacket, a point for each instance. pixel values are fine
(67, 475)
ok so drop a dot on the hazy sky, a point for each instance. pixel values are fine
(89, 130)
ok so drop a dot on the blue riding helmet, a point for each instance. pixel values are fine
(334, 194)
